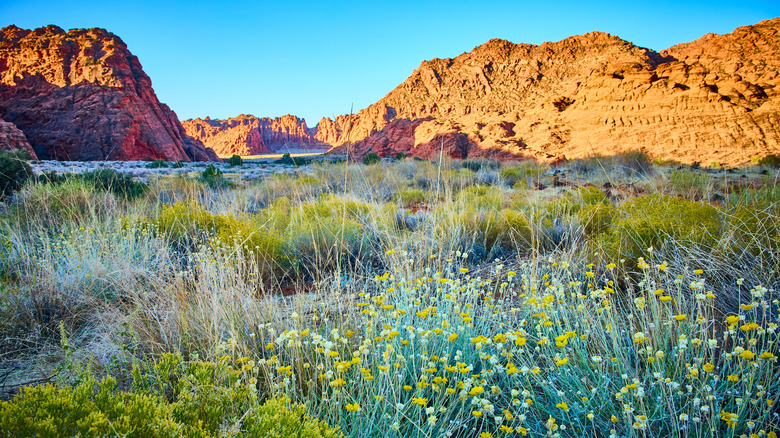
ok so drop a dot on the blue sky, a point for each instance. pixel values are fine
(316, 59)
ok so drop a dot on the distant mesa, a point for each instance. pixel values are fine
(81, 95)
(250, 135)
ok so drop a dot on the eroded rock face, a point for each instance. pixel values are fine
(711, 100)
(81, 95)
(11, 138)
(250, 135)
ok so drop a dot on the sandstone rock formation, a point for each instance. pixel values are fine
(249, 135)
(711, 100)
(12, 138)
(81, 95)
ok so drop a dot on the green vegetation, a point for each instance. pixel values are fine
(14, 171)
(157, 164)
(371, 158)
(169, 399)
(235, 160)
(413, 299)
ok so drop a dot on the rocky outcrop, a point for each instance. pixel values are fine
(81, 95)
(250, 135)
(711, 100)
(11, 138)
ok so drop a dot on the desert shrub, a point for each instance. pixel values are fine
(526, 170)
(755, 228)
(400, 156)
(483, 234)
(172, 398)
(214, 177)
(14, 171)
(330, 232)
(235, 160)
(772, 160)
(649, 221)
(479, 164)
(157, 164)
(371, 158)
(320, 244)
(70, 202)
(591, 195)
(634, 162)
(482, 197)
(411, 196)
(177, 165)
(187, 223)
(287, 159)
(120, 184)
(53, 177)
(765, 195)
(689, 183)
(259, 243)
(595, 218)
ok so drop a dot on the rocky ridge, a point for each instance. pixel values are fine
(250, 135)
(12, 138)
(711, 100)
(81, 95)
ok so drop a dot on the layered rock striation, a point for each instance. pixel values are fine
(250, 135)
(711, 100)
(81, 95)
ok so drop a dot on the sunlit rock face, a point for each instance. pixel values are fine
(712, 100)
(81, 95)
(250, 135)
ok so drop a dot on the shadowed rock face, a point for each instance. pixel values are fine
(714, 99)
(249, 135)
(81, 95)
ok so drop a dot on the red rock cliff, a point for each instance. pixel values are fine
(12, 138)
(250, 135)
(81, 95)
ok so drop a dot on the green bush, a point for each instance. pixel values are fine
(214, 178)
(291, 161)
(257, 242)
(400, 156)
(171, 399)
(187, 223)
(483, 163)
(689, 183)
(120, 184)
(411, 196)
(635, 161)
(72, 201)
(14, 171)
(235, 160)
(520, 174)
(371, 158)
(177, 165)
(649, 221)
(157, 164)
(482, 197)
(595, 218)
(772, 160)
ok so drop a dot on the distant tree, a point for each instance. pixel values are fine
(236, 160)
(371, 158)
(462, 145)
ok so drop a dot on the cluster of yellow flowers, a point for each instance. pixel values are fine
(564, 352)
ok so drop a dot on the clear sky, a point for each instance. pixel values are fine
(315, 59)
